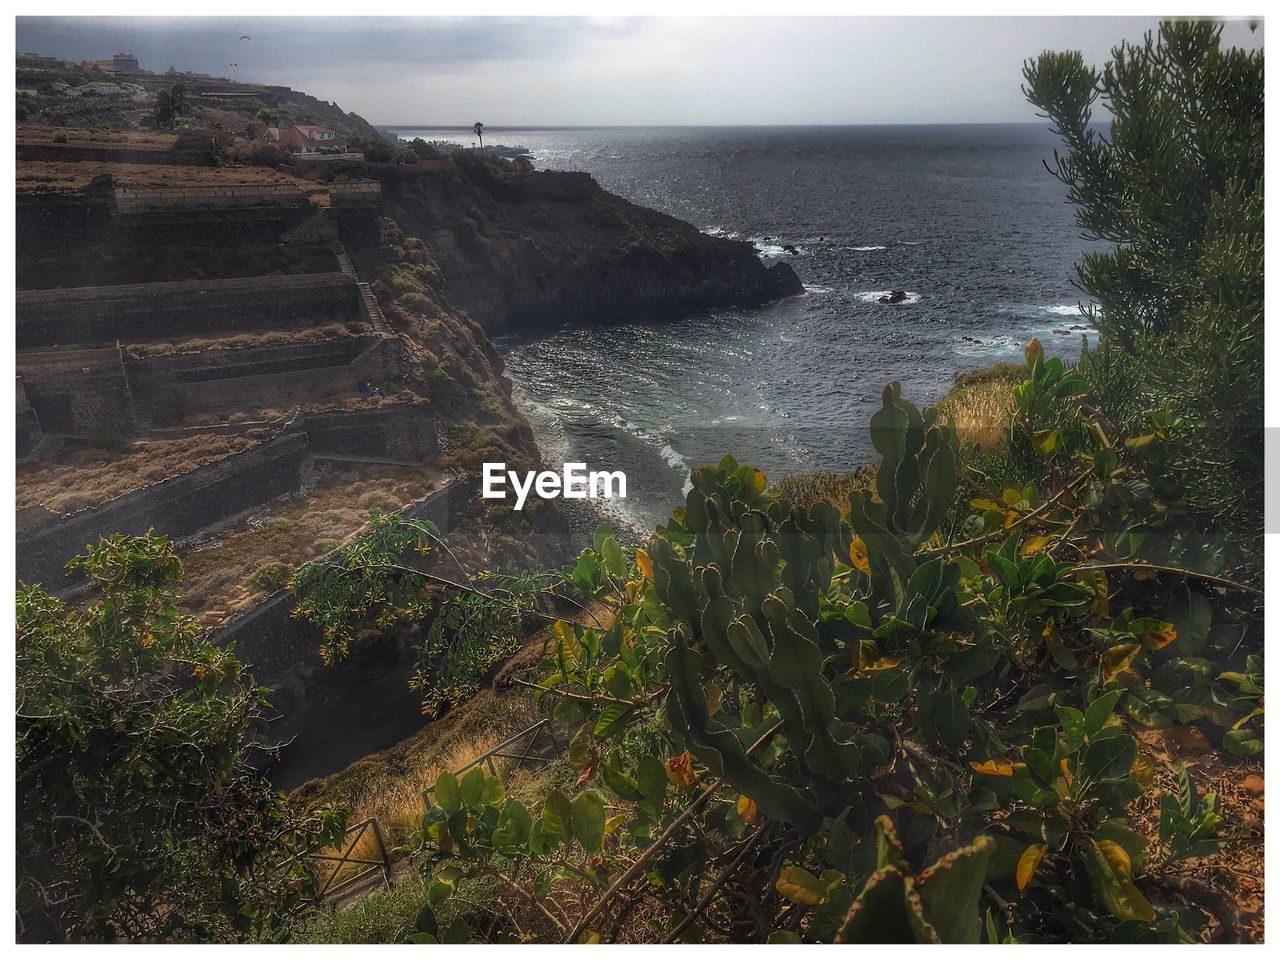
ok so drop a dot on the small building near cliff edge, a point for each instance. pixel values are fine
(312, 141)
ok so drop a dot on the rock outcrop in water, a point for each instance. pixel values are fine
(517, 252)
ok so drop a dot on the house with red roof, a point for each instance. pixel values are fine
(309, 139)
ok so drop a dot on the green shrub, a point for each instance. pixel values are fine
(269, 577)
(1177, 185)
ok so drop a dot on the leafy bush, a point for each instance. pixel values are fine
(827, 701)
(269, 576)
(1177, 186)
(256, 152)
(139, 817)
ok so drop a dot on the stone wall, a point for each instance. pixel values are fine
(176, 507)
(174, 386)
(163, 311)
(28, 429)
(401, 432)
(203, 197)
(78, 392)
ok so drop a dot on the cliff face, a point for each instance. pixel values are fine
(520, 251)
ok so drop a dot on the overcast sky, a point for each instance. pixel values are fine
(600, 71)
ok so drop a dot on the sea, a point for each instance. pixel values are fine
(966, 219)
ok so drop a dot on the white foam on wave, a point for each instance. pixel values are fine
(873, 296)
(815, 288)
(870, 248)
(675, 459)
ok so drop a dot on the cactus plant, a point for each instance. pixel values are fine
(939, 905)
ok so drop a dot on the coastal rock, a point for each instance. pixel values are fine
(518, 252)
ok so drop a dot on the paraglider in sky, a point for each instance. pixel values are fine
(243, 37)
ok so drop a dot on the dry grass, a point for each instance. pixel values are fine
(268, 338)
(389, 785)
(980, 411)
(1236, 872)
(133, 139)
(74, 174)
(806, 489)
(223, 574)
(88, 476)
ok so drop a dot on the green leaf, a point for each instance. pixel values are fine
(1099, 712)
(588, 820)
(426, 922)
(884, 913)
(613, 719)
(615, 560)
(447, 794)
(1109, 759)
(557, 815)
(1243, 743)
(951, 888)
(472, 787)
(651, 778)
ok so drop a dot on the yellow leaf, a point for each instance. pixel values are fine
(992, 768)
(986, 505)
(758, 481)
(567, 640)
(645, 564)
(1034, 351)
(1044, 441)
(1034, 545)
(681, 773)
(748, 810)
(1143, 771)
(1096, 580)
(858, 556)
(715, 698)
(1028, 862)
(884, 663)
(800, 886)
(1114, 878)
(1159, 639)
(1116, 660)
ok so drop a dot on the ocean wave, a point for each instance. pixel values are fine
(873, 296)
(1064, 310)
(816, 288)
(870, 248)
(675, 459)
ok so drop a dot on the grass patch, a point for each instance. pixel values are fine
(259, 553)
(806, 489)
(981, 411)
(89, 476)
(384, 916)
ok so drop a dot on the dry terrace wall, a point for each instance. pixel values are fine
(77, 392)
(180, 506)
(163, 311)
(175, 507)
(174, 386)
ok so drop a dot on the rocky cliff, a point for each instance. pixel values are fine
(517, 251)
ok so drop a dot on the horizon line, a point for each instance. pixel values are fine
(703, 126)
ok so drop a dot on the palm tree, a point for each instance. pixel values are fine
(478, 127)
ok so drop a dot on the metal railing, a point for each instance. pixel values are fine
(506, 750)
(331, 886)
